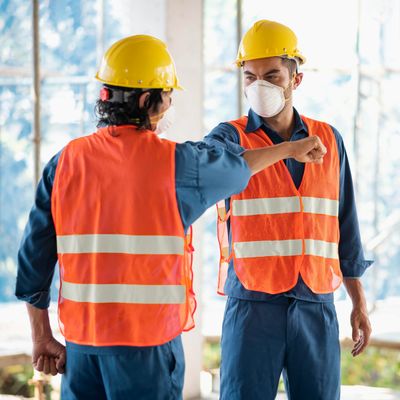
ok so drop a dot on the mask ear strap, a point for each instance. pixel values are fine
(157, 117)
(287, 87)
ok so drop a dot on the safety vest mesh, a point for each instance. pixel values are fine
(125, 262)
(279, 231)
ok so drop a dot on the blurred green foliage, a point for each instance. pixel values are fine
(375, 367)
(15, 380)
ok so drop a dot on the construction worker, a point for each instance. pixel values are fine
(115, 209)
(293, 236)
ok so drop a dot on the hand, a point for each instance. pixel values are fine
(48, 356)
(361, 330)
(309, 149)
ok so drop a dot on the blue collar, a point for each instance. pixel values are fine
(255, 122)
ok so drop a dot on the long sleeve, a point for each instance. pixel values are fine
(225, 135)
(204, 175)
(351, 255)
(37, 255)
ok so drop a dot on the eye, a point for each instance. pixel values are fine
(249, 78)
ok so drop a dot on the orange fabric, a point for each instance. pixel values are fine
(121, 180)
(277, 274)
(223, 240)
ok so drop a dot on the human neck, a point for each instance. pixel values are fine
(283, 123)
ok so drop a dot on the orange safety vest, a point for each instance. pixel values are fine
(279, 231)
(125, 263)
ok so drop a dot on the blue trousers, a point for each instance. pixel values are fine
(142, 373)
(260, 340)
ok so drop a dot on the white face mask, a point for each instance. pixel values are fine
(166, 121)
(265, 98)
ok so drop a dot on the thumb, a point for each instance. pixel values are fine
(318, 161)
(60, 362)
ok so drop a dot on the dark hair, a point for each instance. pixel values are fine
(122, 108)
(291, 65)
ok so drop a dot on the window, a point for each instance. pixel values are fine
(73, 36)
(351, 80)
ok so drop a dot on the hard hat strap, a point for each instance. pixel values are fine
(114, 95)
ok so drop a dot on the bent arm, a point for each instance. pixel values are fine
(309, 149)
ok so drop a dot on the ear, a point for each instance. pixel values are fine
(297, 80)
(143, 98)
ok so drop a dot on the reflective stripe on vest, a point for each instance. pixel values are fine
(278, 205)
(120, 293)
(272, 248)
(126, 244)
(278, 230)
(125, 261)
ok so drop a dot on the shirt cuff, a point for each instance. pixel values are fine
(354, 268)
(39, 300)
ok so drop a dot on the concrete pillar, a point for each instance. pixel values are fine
(180, 24)
(184, 37)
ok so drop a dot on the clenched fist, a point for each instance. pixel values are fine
(48, 356)
(309, 149)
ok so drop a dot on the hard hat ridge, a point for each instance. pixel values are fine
(139, 61)
(268, 39)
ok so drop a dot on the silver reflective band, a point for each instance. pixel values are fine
(276, 205)
(281, 205)
(316, 205)
(118, 293)
(274, 248)
(128, 244)
(321, 249)
(268, 248)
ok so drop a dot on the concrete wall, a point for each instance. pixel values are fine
(184, 36)
(180, 24)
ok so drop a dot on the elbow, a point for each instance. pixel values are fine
(243, 180)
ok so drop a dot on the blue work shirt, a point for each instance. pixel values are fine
(352, 262)
(204, 175)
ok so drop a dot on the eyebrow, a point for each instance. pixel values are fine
(273, 71)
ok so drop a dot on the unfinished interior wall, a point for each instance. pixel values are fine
(185, 40)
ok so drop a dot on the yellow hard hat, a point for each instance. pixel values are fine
(139, 61)
(268, 39)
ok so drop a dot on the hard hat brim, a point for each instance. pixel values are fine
(239, 61)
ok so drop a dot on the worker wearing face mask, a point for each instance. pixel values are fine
(115, 209)
(287, 241)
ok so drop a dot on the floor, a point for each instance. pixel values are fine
(347, 393)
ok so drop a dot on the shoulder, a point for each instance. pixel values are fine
(195, 150)
(315, 122)
(338, 136)
(80, 141)
(50, 168)
(224, 130)
(331, 128)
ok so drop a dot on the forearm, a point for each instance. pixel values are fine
(48, 355)
(261, 158)
(40, 323)
(356, 292)
(361, 327)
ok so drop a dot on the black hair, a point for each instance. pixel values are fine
(291, 65)
(122, 107)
